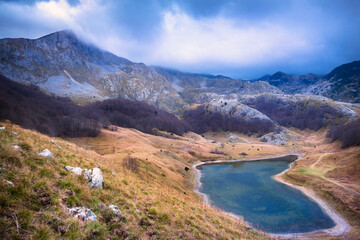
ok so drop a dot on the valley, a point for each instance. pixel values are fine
(161, 190)
(143, 129)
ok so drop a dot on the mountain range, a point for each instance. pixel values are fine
(62, 64)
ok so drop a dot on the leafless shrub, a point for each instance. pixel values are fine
(216, 151)
(131, 164)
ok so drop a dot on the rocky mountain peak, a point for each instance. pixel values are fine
(278, 75)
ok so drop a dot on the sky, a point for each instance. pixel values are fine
(241, 39)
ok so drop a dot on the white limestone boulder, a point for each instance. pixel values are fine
(46, 153)
(75, 170)
(82, 213)
(94, 178)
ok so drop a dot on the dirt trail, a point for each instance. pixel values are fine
(313, 167)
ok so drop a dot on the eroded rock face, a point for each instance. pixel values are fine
(82, 213)
(94, 178)
(46, 153)
(278, 138)
(234, 108)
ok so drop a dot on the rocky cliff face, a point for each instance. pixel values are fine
(62, 64)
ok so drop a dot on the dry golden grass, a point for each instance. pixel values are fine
(332, 172)
(161, 192)
(157, 202)
(324, 167)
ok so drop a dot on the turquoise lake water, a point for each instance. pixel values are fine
(247, 189)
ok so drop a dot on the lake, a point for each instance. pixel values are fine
(247, 189)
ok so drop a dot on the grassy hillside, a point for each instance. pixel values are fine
(157, 200)
(156, 196)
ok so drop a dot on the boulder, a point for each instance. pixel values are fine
(2, 128)
(116, 210)
(83, 213)
(94, 178)
(75, 170)
(46, 153)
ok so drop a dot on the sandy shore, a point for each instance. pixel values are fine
(341, 226)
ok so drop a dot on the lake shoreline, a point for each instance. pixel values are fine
(341, 225)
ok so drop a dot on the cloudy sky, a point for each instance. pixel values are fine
(242, 39)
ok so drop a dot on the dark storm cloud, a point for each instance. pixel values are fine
(238, 38)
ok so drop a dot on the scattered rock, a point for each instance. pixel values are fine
(46, 153)
(2, 128)
(75, 170)
(9, 183)
(16, 134)
(83, 213)
(16, 147)
(116, 210)
(113, 173)
(54, 142)
(94, 178)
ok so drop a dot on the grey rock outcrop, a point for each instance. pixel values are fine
(46, 153)
(302, 99)
(82, 213)
(75, 170)
(115, 210)
(234, 108)
(278, 138)
(94, 178)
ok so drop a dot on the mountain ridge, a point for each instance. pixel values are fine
(62, 64)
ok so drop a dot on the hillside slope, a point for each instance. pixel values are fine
(341, 84)
(155, 198)
(291, 84)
